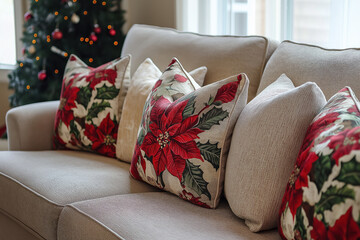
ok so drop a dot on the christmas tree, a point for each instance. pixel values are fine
(54, 29)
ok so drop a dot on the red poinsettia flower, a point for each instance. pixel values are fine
(172, 62)
(319, 230)
(180, 78)
(72, 58)
(345, 142)
(157, 84)
(227, 92)
(133, 168)
(317, 127)
(103, 137)
(171, 138)
(97, 76)
(354, 110)
(67, 103)
(58, 143)
(191, 198)
(298, 179)
(344, 228)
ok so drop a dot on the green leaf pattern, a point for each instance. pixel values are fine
(96, 108)
(211, 118)
(211, 153)
(335, 174)
(193, 178)
(107, 93)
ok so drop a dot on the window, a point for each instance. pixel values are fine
(7, 33)
(328, 23)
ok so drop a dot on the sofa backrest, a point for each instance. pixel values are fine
(331, 69)
(224, 56)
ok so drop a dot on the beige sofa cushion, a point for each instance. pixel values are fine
(223, 55)
(265, 143)
(330, 69)
(34, 186)
(157, 216)
(141, 84)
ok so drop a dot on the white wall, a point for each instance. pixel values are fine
(152, 12)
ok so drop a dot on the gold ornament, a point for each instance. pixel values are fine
(75, 18)
(31, 49)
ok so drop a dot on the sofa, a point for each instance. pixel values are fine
(64, 194)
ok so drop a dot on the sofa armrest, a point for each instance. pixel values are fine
(30, 127)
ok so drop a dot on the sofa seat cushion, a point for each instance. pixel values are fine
(151, 216)
(34, 186)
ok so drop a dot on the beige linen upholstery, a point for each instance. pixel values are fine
(31, 127)
(224, 56)
(265, 143)
(330, 69)
(11, 229)
(34, 186)
(151, 216)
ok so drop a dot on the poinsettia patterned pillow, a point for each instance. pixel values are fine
(322, 198)
(184, 135)
(90, 106)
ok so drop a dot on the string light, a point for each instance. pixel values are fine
(56, 71)
(21, 64)
(33, 41)
(66, 18)
(109, 27)
(74, 0)
(66, 54)
(28, 87)
(48, 38)
(85, 12)
(81, 39)
(91, 60)
(91, 42)
(37, 58)
(86, 39)
(116, 43)
(94, 2)
(36, 0)
(35, 34)
(103, 3)
(56, 13)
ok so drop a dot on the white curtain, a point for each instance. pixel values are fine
(328, 23)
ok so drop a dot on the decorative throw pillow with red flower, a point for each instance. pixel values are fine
(184, 136)
(90, 106)
(322, 198)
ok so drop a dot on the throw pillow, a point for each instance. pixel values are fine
(184, 135)
(90, 106)
(322, 197)
(264, 146)
(141, 84)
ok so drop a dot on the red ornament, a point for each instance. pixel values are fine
(23, 50)
(42, 75)
(28, 16)
(57, 34)
(93, 37)
(97, 29)
(112, 32)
